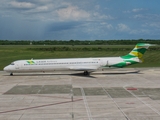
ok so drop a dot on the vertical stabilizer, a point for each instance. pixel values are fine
(136, 53)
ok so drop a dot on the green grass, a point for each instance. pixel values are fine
(9, 54)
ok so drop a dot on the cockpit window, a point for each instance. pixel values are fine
(12, 63)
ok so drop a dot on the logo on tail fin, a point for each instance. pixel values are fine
(137, 52)
(135, 56)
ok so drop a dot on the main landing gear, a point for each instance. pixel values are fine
(11, 74)
(86, 73)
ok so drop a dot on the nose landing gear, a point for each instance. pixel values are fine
(86, 73)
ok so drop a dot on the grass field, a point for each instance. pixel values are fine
(11, 53)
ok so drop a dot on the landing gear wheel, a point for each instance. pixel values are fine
(11, 74)
(86, 73)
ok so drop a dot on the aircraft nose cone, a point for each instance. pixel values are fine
(5, 68)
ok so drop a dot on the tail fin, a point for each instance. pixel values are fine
(137, 52)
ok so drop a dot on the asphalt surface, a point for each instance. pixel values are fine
(120, 94)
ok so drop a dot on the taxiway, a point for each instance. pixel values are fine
(124, 94)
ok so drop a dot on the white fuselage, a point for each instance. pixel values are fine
(77, 64)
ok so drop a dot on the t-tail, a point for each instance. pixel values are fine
(136, 55)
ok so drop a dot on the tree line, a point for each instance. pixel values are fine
(78, 42)
(63, 48)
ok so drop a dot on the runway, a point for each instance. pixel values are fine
(123, 94)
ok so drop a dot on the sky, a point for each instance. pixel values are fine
(79, 19)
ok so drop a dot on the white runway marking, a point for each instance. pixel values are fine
(86, 105)
(148, 105)
(114, 102)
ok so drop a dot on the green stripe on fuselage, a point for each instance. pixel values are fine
(123, 64)
(119, 65)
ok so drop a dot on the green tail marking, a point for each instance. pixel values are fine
(135, 56)
(138, 51)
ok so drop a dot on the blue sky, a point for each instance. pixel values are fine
(79, 19)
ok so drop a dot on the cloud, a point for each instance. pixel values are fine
(138, 16)
(39, 9)
(138, 9)
(71, 19)
(36, 2)
(21, 5)
(135, 10)
(107, 25)
(134, 31)
(139, 32)
(30, 6)
(152, 24)
(57, 10)
(102, 16)
(122, 28)
(72, 13)
(155, 25)
(154, 17)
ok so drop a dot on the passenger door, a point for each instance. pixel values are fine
(17, 66)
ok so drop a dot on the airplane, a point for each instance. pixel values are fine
(87, 65)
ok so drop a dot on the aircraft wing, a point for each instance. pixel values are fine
(83, 68)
